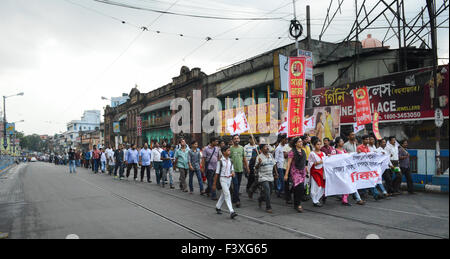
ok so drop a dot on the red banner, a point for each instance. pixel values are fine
(362, 106)
(296, 95)
(376, 130)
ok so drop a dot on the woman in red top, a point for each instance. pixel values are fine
(315, 167)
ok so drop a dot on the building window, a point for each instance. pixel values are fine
(343, 75)
(319, 81)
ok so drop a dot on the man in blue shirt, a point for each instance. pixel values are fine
(167, 156)
(144, 160)
(132, 158)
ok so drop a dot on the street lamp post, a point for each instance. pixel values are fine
(5, 140)
(14, 138)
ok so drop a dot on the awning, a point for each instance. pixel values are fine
(123, 117)
(246, 81)
(155, 107)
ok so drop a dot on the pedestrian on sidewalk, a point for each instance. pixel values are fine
(296, 170)
(132, 160)
(223, 176)
(72, 164)
(145, 158)
(194, 159)
(266, 165)
(181, 162)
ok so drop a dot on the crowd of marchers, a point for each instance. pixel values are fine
(290, 169)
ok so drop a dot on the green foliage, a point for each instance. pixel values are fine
(32, 142)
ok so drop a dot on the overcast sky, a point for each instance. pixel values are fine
(66, 54)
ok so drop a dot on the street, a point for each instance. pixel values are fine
(43, 201)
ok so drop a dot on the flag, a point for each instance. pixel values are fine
(357, 128)
(310, 123)
(238, 125)
(283, 128)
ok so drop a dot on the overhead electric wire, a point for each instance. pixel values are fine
(143, 29)
(202, 6)
(186, 14)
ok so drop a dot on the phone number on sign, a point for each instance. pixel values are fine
(404, 115)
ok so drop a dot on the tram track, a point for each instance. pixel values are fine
(261, 221)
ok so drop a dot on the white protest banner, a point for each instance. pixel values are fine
(347, 173)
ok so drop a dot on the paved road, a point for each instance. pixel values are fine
(41, 200)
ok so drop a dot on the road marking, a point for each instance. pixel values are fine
(72, 236)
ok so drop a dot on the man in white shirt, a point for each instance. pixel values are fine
(279, 158)
(224, 174)
(372, 145)
(157, 162)
(392, 149)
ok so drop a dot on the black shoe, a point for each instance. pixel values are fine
(318, 204)
(233, 215)
(324, 200)
(412, 193)
(219, 211)
(346, 204)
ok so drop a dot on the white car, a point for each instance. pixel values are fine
(33, 159)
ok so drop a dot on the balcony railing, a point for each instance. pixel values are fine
(156, 122)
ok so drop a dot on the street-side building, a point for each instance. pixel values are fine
(89, 121)
(116, 101)
(156, 115)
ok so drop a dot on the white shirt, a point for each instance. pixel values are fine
(392, 151)
(103, 157)
(156, 155)
(279, 156)
(383, 151)
(372, 148)
(227, 167)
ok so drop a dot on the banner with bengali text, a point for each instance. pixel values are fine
(296, 96)
(347, 173)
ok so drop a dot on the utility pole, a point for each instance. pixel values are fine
(5, 140)
(400, 62)
(309, 103)
(356, 68)
(296, 30)
(431, 6)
